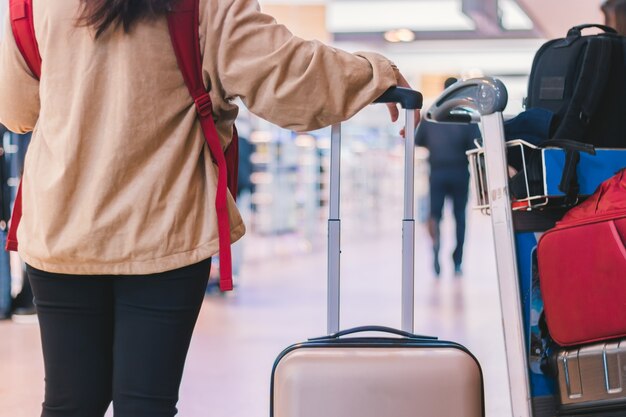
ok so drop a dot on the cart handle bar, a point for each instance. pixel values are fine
(467, 101)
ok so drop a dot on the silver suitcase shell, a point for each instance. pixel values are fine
(374, 377)
(593, 377)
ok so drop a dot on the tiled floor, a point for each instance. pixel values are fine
(280, 299)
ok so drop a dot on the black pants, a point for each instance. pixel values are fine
(116, 338)
(452, 183)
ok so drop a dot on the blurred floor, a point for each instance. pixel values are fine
(280, 299)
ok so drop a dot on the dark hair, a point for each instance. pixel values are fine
(617, 10)
(449, 82)
(101, 14)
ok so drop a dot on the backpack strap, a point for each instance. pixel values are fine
(183, 22)
(589, 89)
(16, 216)
(22, 25)
(569, 178)
(24, 34)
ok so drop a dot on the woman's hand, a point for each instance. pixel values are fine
(393, 107)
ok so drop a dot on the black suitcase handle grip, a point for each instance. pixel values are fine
(381, 329)
(409, 99)
(577, 30)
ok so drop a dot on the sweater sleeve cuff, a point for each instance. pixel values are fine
(385, 72)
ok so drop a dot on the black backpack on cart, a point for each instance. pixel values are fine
(582, 80)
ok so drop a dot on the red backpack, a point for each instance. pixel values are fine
(183, 23)
(582, 268)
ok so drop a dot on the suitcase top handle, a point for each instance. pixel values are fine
(576, 31)
(381, 329)
(408, 99)
(467, 101)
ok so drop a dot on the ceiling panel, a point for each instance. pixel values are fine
(379, 16)
(444, 18)
(555, 17)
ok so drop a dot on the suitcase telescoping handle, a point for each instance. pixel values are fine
(410, 100)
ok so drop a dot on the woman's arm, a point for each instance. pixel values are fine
(297, 84)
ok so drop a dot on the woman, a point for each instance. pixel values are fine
(119, 223)
(615, 15)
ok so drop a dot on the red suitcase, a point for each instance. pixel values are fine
(582, 268)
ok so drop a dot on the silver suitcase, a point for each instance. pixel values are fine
(365, 376)
(593, 378)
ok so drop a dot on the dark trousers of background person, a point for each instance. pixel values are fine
(5, 215)
(5, 278)
(116, 338)
(21, 307)
(452, 183)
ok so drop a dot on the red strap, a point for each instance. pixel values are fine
(16, 215)
(184, 22)
(23, 27)
(24, 34)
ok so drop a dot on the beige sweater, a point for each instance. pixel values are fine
(118, 179)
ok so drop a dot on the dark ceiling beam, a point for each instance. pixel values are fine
(485, 14)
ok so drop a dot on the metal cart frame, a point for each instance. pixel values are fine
(482, 101)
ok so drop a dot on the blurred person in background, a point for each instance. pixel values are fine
(615, 15)
(119, 221)
(19, 308)
(449, 178)
(5, 209)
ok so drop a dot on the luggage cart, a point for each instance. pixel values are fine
(534, 391)
(537, 204)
